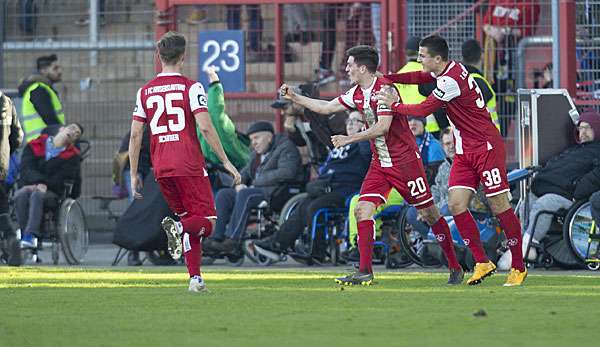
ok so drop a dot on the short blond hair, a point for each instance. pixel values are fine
(171, 47)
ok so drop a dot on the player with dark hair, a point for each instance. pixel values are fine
(396, 160)
(172, 105)
(480, 154)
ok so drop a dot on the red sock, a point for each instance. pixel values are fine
(470, 234)
(366, 237)
(512, 228)
(192, 252)
(197, 225)
(444, 238)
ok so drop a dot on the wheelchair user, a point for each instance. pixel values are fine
(274, 163)
(572, 175)
(48, 162)
(340, 176)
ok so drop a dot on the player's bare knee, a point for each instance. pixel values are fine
(430, 215)
(457, 207)
(499, 203)
(363, 211)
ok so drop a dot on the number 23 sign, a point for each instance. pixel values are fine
(225, 50)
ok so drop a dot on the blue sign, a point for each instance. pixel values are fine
(225, 50)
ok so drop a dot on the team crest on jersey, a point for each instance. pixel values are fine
(202, 100)
(439, 93)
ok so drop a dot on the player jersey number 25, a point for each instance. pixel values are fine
(160, 104)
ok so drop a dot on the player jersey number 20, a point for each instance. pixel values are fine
(161, 104)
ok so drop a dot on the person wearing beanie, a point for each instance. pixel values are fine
(274, 165)
(572, 175)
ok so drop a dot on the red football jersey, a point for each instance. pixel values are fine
(459, 95)
(399, 144)
(168, 104)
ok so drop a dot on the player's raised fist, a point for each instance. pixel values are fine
(211, 71)
(340, 140)
(286, 91)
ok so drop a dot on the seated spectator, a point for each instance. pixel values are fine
(572, 175)
(340, 176)
(47, 163)
(431, 151)
(274, 164)
(306, 128)
(122, 178)
(11, 137)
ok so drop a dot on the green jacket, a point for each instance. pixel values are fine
(34, 119)
(235, 146)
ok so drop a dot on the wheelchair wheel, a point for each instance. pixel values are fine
(235, 261)
(413, 244)
(72, 231)
(576, 230)
(208, 260)
(289, 206)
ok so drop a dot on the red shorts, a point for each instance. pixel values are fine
(189, 195)
(409, 180)
(487, 167)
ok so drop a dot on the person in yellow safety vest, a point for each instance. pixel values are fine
(41, 106)
(471, 53)
(416, 93)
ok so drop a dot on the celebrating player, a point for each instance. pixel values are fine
(480, 153)
(172, 105)
(395, 162)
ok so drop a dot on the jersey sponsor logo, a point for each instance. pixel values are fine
(439, 93)
(168, 138)
(358, 101)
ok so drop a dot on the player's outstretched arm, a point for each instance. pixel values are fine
(135, 143)
(315, 105)
(415, 77)
(380, 128)
(210, 134)
(387, 97)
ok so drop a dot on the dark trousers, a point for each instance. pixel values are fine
(233, 209)
(302, 217)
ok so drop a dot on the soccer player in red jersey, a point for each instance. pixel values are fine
(396, 160)
(480, 154)
(172, 105)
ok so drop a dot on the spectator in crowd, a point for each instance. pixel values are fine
(122, 177)
(28, 17)
(505, 23)
(48, 162)
(417, 93)
(431, 150)
(439, 189)
(543, 79)
(296, 23)
(255, 30)
(85, 20)
(307, 128)
(41, 106)
(328, 41)
(234, 144)
(340, 176)
(572, 175)
(471, 54)
(274, 164)
(11, 137)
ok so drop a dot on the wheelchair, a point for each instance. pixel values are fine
(63, 228)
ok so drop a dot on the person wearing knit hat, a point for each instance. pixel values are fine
(588, 126)
(261, 125)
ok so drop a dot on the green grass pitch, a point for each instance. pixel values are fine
(275, 307)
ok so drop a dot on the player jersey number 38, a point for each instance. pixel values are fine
(168, 104)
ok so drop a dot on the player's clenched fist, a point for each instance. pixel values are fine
(286, 91)
(387, 96)
(340, 140)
